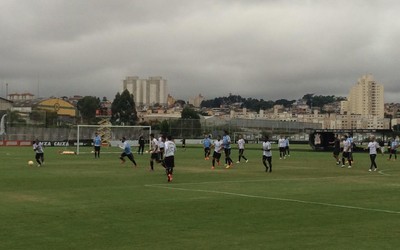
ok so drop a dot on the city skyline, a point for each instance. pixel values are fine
(137, 87)
(262, 49)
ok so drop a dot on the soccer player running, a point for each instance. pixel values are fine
(97, 145)
(169, 157)
(267, 154)
(226, 141)
(207, 147)
(39, 152)
(373, 145)
(240, 144)
(126, 147)
(154, 151)
(217, 151)
(282, 147)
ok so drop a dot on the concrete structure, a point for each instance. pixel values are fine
(59, 106)
(170, 100)
(147, 92)
(20, 97)
(196, 101)
(5, 104)
(338, 121)
(159, 115)
(365, 98)
(328, 120)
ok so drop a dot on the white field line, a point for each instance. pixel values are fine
(103, 152)
(383, 172)
(275, 198)
(267, 180)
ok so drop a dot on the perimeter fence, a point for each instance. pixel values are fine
(253, 129)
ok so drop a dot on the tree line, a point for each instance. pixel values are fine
(123, 107)
(258, 104)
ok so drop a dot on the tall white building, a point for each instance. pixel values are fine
(196, 101)
(365, 98)
(147, 92)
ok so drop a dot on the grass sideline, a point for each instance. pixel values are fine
(307, 202)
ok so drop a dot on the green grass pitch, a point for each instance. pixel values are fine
(307, 202)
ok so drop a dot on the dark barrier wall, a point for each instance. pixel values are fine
(323, 139)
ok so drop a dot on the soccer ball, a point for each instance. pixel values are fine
(30, 163)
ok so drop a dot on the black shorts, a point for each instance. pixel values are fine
(154, 156)
(267, 158)
(161, 153)
(217, 155)
(169, 162)
(96, 148)
(130, 155)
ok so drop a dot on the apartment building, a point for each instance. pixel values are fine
(365, 98)
(147, 92)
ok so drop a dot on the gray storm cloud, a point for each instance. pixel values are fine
(259, 49)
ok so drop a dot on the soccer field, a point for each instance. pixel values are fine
(307, 202)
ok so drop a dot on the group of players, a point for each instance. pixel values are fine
(345, 145)
(224, 145)
(219, 146)
(162, 151)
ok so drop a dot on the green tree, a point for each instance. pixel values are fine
(189, 113)
(284, 102)
(164, 127)
(87, 107)
(256, 105)
(123, 109)
(308, 98)
(319, 101)
(180, 102)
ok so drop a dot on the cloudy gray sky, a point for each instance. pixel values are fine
(268, 49)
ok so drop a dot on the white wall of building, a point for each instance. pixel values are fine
(147, 92)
